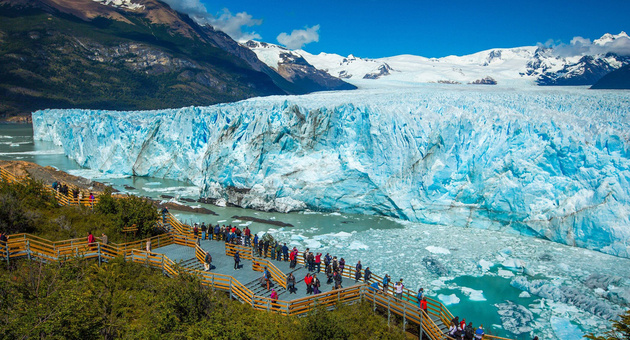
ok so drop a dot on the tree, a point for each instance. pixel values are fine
(620, 330)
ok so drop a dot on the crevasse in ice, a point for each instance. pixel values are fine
(550, 163)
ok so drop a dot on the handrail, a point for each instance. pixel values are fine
(20, 245)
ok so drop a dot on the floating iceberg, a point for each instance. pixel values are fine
(551, 163)
(448, 299)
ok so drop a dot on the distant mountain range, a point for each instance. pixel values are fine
(127, 55)
(141, 54)
(534, 65)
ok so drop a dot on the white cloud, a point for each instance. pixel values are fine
(618, 44)
(233, 25)
(299, 38)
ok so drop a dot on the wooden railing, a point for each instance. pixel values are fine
(34, 247)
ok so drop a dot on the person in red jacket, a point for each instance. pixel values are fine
(308, 280)
(423, 304)
(91, 240)
(274, 296)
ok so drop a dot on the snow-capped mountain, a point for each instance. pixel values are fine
(534, 65)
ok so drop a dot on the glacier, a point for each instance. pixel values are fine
(549, 163)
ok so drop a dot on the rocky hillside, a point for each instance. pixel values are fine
(618, 79)
(121, 55)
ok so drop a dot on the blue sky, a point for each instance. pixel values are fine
(376, 28)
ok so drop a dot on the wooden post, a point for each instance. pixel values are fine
(6, 246)
(28, 249)
(98, 245)
(421, 330)
(388, 311)
(404, 317)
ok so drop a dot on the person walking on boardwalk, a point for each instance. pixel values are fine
(217, 232)
(385, 283)
(318, 261)
(357, 272)
(469, 332)
(256, 243)
(329, 274)
(368, 275)
(207, 262)
(342, 265)
(148, 245)
(237, 260)
(248, 236)
(260, 248)
(292, 257)
(266, 246)
(278, 252)
(311, 262)
(479, 333)
(420, 295)
(338, 280)
(423, 304)
(315, 285)
(285, 252)
(91, 240)
(291, 283)
(204, 229)
(305, 257)
(164, 212)
(398, 289)
(267, 277)
(308, 280)
(196, 230)
(274, 297)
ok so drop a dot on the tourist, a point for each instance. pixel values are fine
(398, 289)
(3, 238)
(195, 230)
(273, 250)
(335, 265)
(267, 277)
(291, 283)
(55, 185)
(285, 252)
(338, 280)
(304, 257)
(260, 248)
(208, 262)
(342, 265)
(266, 246)
(452, 330)
(315, 284)
(237, 260)
(311, 262)
(248, 235)
(278, 252)
(420, 294)
(479, 333)
(148, 246)
(308, 280)
(204, 229)
(292, 258)
(210, 232)
(104, 239)
(318, 261)
(423, 304)
(274, 296)
(80, 197)
(327, 260)
(462, 324)
(92, 205)
(217, 232)
(329, 274)
(357, 272)
(91, 240)
(256, 243)
(385, 283)
(164, 211)
(469, 332)
(368, 275)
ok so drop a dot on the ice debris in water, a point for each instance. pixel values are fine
(515, 318)
(437, 250)
(448, 299)
(551, 163)
(568, 295)
(473, 294)
(565, 330)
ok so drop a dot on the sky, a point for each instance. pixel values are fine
(377, 28)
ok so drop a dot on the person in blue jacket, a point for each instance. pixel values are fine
(237, 260)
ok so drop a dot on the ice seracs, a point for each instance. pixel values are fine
(127, 4)
(549, 163)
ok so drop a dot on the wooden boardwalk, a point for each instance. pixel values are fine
(178, 251)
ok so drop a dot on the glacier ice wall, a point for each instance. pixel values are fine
(550, 163)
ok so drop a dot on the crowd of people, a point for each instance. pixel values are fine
(77, 195)
(313, 262)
